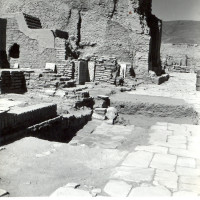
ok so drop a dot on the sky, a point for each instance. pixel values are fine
(169, 10)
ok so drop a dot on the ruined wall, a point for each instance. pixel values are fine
(99, 27)
(182, 54)
(31, 54)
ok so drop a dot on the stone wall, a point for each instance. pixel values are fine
(123, 29)
(104, 67)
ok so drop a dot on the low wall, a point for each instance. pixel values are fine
(12, 81)
(61, 128)
(22, 117)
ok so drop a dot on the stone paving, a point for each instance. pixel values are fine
(104, 136)
(170, 164)
(163, 168)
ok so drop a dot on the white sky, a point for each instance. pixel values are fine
(168, 10)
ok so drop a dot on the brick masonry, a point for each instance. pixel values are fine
(124, 29)
(22, 117)
(31, 54)
(12, 81)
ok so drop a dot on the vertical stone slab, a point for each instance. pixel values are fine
(83, 72)
(91, 68)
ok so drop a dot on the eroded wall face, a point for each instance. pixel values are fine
(31, 55)
(96, 27)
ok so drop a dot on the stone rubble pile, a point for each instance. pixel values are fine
(103, 111)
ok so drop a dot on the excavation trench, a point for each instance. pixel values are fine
(144, 111)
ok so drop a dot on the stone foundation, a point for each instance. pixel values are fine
(22, 117)
(48, 126)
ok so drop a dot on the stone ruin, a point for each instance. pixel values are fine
(119, 42)
(180, 57)
(34, 46)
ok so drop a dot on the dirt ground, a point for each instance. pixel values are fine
(36, 167)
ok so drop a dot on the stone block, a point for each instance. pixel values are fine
(169, 145)
(115, 188)
(111, 113)
(70, 192)
(100, 111)
(50, 92)
(83, 72)
(157, 191)
(190, 188)
(177, 139)
(103, 97)
(101, 103)
(138, 159)
(50, 66)
(153, 149)
(186, 162)
(91, 67)
(133, 174)
(184, 194)
(97, 116)
(161, 79)
(166, 178)
(185, 171)
(164, 162)
(60, 93)
(184, 153)
(189, 180)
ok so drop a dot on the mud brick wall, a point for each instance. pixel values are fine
(22, 117)
(64, 66)
(104, 69)
(31, 54)
(69, 69)
(66, 69)
(12, 82)
(125, 29)
(60, 47)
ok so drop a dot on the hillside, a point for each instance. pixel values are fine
(181, 32)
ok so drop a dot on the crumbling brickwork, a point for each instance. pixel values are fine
(31, 54)
(124, 29)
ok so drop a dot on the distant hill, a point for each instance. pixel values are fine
(181, 32)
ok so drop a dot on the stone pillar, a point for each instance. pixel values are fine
(91, 67)
(83, 72)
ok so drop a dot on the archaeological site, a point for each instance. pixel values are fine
(97, 99)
